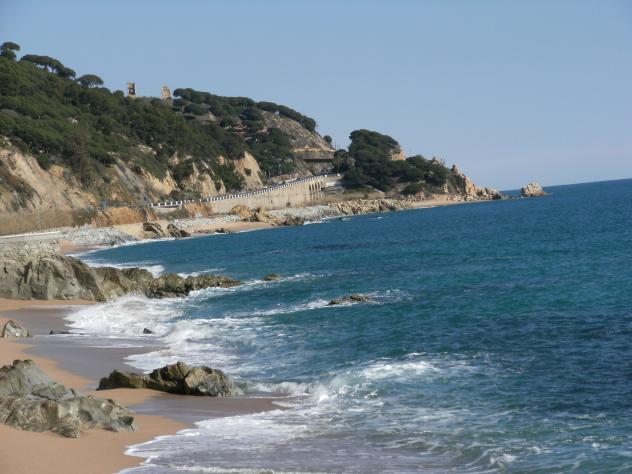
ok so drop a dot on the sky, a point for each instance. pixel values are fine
(509, 91)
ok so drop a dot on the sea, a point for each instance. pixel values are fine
(498, 338)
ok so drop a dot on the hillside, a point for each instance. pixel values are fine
(134, 150)
(71, 148)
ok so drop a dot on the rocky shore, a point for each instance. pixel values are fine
(242, 218)
(37, 271)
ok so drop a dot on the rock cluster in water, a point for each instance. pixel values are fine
(31, 271)
(272, 277)
(354, 298)
(175, 378)
(30, 400)
(532, 189)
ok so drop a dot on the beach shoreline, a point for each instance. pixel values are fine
(79, 367)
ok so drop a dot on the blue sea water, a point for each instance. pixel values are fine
(499, 339)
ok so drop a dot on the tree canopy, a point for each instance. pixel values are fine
(90, 80)
(369, 162)
(8, 48)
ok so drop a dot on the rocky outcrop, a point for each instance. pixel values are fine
(14, 330)
(354, 298)
(292, 221)
(366, 206)
(257, 215)
(31, 401)
(172, 285)
(472, 192)
(532, 189)
(242, 211)
(30, 272)
(154, 228)
(175, 378)
(176, 231)
(272, 277)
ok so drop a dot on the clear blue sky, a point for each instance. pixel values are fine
(510, 91)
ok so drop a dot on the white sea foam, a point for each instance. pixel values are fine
(391, 369)
(200, 272)
(125, 316)
(154, 268)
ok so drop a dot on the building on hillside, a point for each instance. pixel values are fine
(165, 93)
(131, 89)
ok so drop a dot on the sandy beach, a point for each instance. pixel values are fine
(79, 367)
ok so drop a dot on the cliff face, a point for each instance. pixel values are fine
(470, 191)
(311, 152)
(26, 187)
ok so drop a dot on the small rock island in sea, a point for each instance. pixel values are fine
(532, 189)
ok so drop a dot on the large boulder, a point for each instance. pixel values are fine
(292, 221)
(354, 298)
(242, 211)
(532, 189)
(176, 231)
(172, 285)
(260, 215)
(14, 330)
(31, 401)
(253, 215)
(154, 228)
(272, 277)
(175, 378)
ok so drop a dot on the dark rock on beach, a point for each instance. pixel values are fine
(14, 330)
(175, 378)
(147, 331)
(154, 228)
(355, 298)
(176, 231)
(31, 401)
(292, 221)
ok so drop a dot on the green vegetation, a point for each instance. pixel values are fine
(273, 152)
(89, 130)
(244, 117)
(86, 128)
(368, 163)
(90, 80)
(8, 49)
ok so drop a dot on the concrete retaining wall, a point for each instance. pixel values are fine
(303, 192)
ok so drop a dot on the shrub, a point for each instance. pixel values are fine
(44, 162)
(413, 188)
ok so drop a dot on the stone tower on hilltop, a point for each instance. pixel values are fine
(131, 89)
(165, 93)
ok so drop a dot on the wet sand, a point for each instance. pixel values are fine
(68, 360)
